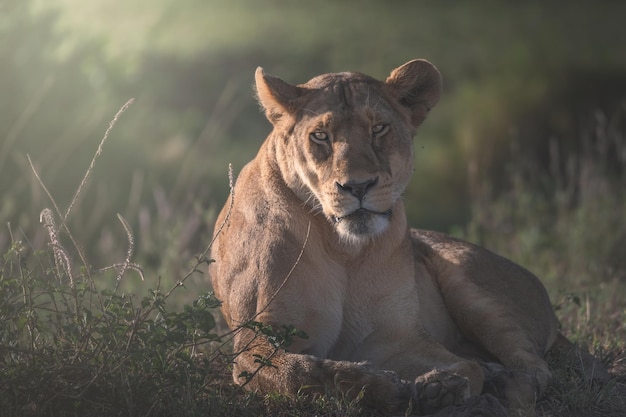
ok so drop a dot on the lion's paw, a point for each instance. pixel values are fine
(438, 389)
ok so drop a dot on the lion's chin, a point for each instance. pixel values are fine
(361, 224)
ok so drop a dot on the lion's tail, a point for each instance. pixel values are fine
(574, 355)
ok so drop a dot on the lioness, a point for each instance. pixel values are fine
(317, 237)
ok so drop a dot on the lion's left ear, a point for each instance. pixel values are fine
(417, 84)
(277, 97)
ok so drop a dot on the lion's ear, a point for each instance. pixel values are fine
(276, 96)
(417, 84)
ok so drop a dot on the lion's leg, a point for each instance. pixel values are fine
(444, 378)
(525, 374)
(261, 367)
(440, 382)
(522, 382)
(504, 311)
(441, 378)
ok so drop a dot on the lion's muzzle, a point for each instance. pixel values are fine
(357, 189)
(362, 222)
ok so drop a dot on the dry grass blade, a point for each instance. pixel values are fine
(129, 252)
(231, 185)
(43, 186)
(95, 157)
(289, 274)
(61, 259)
(63, 225)
(25, 118)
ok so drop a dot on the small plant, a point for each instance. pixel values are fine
(68, 346)
(67, 350)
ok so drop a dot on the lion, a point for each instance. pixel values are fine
(316, 237)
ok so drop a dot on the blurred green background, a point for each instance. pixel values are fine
(531, 122)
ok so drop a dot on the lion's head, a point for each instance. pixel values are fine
(344, 142)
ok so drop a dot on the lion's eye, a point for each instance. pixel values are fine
(380, 130)
(319, 137)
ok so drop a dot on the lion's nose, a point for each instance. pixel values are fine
(357, 189)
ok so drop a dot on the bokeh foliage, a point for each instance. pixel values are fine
(68, 65)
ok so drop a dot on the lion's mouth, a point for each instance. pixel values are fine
(359, 214)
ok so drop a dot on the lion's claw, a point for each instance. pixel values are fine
(438, 389)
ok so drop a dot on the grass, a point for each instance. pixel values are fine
(565, 222)
(71, 344)
(73, 341)
(67, 348)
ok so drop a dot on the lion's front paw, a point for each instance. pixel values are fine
(438, 389)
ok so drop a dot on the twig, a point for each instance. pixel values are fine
(202, 258)
(293, 267)
(231, 184)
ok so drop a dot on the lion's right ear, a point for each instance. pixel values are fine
(277, 97)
